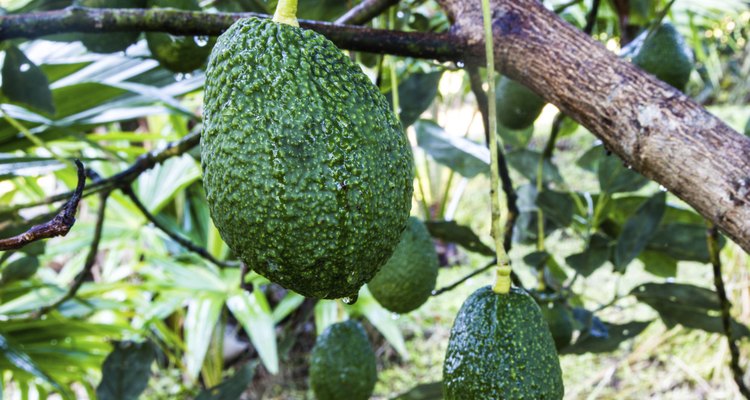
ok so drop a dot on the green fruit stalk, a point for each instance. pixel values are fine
(500, 348)
(407, 280)
(308, 174)
(342, 363)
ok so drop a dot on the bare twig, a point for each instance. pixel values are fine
(60, 225)
(90, 259)
(365, 11)
(142, 164)
(438, 292)
(475, 81)
(184, 242)
(79, 19)
(726, 319)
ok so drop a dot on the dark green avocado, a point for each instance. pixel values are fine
(308, 174)
(342, 363)
(178, 53)
(500, 348)
(114, 41)
(517, 106)
(666, 55)
(407, 280)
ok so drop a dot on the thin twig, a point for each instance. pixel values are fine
(475, 81)
(457, 283)
(244, 270)
(127, 176)
(365, 11)
(90, 259)
(562, 7)
(591, 17)
(726, 319)
(60, 225)
(441, 46)
(184, 242)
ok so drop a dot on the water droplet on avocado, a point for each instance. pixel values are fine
(350, 299)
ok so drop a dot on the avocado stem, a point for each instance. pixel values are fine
(502, 281)
(286, 12)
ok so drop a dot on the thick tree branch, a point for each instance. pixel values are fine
(79, 19)
(651, 126)
(60, 225)
(365, 11)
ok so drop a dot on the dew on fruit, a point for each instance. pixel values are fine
(350, 299)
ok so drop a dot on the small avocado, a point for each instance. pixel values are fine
(406, 281)
(342, 363)
(110, 42)
(307, 171)
(517, 106)
(178, 53)
(666, 55)
(500, 348)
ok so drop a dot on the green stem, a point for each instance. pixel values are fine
(286, 12)
(33, 139)
(502, 283)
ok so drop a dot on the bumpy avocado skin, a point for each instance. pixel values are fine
(307, 172)
(407, 280)
(517, 106)
(666, 55)
(342, 363)
(109, 42)
(178, 53)
(500, 348)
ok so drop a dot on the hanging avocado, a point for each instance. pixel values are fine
(500, 348)
(517, 106)
(110, 42)
(178, 53)
(308, 174)
(666, 55)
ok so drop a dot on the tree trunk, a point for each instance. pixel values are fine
(651, 126)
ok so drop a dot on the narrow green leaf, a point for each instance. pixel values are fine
(423, 391)
(659, 264)
(202, 316)
(615, 178)
(556, 206)
(381, 319)
(526, 161)
(616, 334)
(232, 388)
(595, 255)
(326, 314)
(126, 371)
(416, 94)
(23, 362)
(683, 241)
(254, 313)
(450, 231)
(638, 230)
(25, 83)
(286, 306)
(457, 153)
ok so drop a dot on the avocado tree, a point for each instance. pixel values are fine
(117, 121)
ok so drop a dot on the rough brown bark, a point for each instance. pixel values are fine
(652, 127)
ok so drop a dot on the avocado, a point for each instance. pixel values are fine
(747, 127)
(308, 174)
(114, 41)
(666, 55)
(178, 53)
(406, 281)
(559, 319)
(517, 106)
(500, 348)
(342, 363)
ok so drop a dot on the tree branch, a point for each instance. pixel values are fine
(79, 19)
(184, 242)
(365, 11)
(60, 225)
(90, 259)
(726, 318)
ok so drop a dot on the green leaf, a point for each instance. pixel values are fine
(286, 306)
(594, 256)
(158, 186)
(616, 334)
(202, 315)
(415, 94)
(526, 162)
(459, 154)
(381, 319)
(615, 178)
(688, 305)
(683, 242)
(19, 269)
(254, 313)
(659, 264)
(450, 231)
(23, 362)
(423, 391)
(638, 230)
(556, 206)
(326, 314)
(25, 83)
(126, 371)
(515, 138)
(232, 388)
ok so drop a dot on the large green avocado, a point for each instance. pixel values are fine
(517, 106)
(178, 53)
(666, 55)
(342, 363)
(307, 172)
(500, 348)
(114, 41)
(406, 281)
